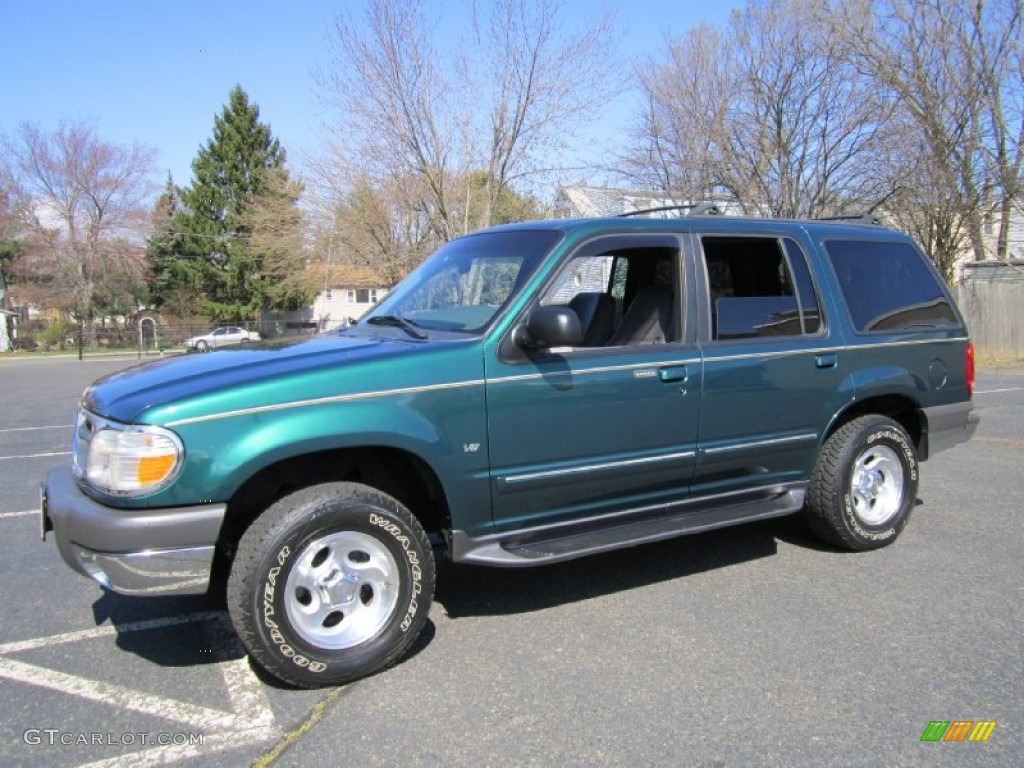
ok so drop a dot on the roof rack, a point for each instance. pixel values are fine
(696, 209)
(856, 218)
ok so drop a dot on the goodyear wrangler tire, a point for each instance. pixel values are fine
(330, 584)
(864, 484)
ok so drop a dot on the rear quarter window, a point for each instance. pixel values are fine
(888, 286)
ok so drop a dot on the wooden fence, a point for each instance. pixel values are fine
(991, 296)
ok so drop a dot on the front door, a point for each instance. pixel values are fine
(609, 425)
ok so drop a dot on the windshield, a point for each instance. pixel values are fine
(463, 286)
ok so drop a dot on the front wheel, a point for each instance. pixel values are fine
(330, 584)
(864, 484)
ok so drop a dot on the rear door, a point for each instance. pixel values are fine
(773, 363)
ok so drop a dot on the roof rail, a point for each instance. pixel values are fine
(705, 209)
(695, 209)
(856, 218)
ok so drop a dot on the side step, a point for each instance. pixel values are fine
(553, 544)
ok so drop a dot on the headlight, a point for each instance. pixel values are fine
(130, 460)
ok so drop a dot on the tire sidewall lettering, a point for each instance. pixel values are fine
(415, 570)
(270, 613)
(854, 522)
(898, 440)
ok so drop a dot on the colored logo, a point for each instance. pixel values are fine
(958, 730)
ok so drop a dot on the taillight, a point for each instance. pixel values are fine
(969, 369)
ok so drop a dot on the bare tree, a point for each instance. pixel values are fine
(395, 104)
(375, 229)
(766, 111)
(684, 123)
(82, 203)
(954, 66)
(995, 43)
(539, 84)
(419, 119)
(925, 204)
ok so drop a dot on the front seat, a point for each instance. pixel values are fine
(648, 319)
(597, 317)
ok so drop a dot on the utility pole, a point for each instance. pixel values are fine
(5, 339)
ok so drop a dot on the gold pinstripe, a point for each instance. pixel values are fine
(534, 376)
(324, 401)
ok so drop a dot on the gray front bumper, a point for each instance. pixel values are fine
(131, 551)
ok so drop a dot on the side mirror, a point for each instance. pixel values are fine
(547, 327)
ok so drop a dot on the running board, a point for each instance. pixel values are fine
(553, 544)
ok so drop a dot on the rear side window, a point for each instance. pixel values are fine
(888, 286)
(759, 287)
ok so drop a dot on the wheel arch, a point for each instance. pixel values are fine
(900, 408)
(394, 471)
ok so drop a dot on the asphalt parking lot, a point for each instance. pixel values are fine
(751, 646)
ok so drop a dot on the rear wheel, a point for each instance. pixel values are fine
(864, 484)
(330, 584)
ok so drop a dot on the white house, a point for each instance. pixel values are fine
(340, 306)
(348, 296)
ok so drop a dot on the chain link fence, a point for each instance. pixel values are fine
(146, 336)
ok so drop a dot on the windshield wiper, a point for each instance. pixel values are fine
(398, 322)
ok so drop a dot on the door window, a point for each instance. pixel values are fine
(759, 287)
(624, 290)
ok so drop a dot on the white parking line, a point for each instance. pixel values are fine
(994, 391)
(23, 513)
(68, 427)
(108, 629)
(250, 721)
(36, 455)
(198, 717)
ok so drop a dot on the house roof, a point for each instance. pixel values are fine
(347, 276)
(581, 201)
(1008, 271)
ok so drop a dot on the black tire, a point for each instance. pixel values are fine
(202, 346)
(864, 484)
(331, 584)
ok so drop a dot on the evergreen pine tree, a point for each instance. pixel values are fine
(175, 280)
(211, 229)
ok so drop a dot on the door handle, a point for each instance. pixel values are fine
(826, 361)
(673, 373)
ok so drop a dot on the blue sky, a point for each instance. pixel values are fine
(157, 72)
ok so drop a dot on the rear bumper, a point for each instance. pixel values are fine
(131, 551)
(949, 425)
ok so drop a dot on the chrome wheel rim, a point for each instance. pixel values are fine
(876, 486)
(342, 590)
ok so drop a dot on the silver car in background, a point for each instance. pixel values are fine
(221, 337)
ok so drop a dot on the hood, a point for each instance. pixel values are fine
(238, 377)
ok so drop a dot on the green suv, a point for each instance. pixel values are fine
(531, 393)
